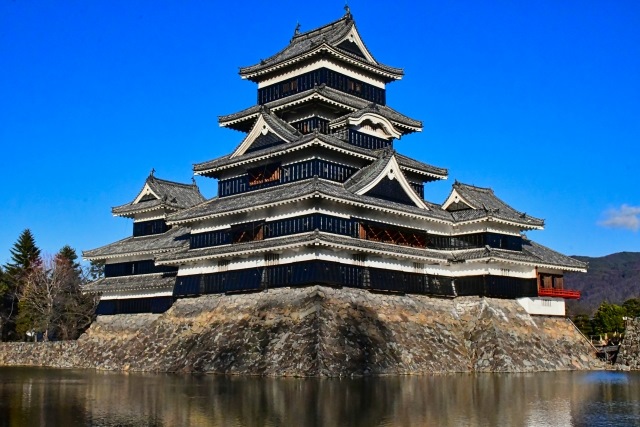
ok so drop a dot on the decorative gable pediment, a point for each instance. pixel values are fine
(390, 181)
(352, 42)
(375, 124)
(261, 133)
(455, 202)
(146, 194)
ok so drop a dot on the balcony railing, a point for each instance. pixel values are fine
(558, 293)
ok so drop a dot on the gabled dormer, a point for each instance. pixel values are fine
(159, 197)
(384, 179)
(468, 203)
(267, 131)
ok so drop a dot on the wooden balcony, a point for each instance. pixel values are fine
(558, 293)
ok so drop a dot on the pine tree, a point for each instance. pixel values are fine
(68, 253)
(96, 270)
(24, 255)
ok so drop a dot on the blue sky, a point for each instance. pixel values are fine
(538, 100)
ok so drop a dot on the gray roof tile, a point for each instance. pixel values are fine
(532, 253)
(303, 43)
(382, 110)
(304, 239)
(157, 282)
(360, 179)
(172, 240)
(484, 203)
(172, 195)
(332, 95)
(227, 161)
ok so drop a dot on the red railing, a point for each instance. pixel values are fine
(559, 293)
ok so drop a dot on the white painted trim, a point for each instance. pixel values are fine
(259, 127)
(455, 197)
(324, 47)
(135, 293)
(315, 141)
(316, 65)
(145, 191)
(149, 218)
(354, 37)
(496, 258)
(392, 171)
(377, 119)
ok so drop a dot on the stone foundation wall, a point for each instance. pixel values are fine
(321, 331)
(629, 353)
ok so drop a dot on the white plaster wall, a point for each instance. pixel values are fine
(148, 216)
(137, 294)
(543, 306)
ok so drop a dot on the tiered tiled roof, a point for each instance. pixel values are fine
(314, 238)
(483, 203)
(326, 38)
(309, 140)
(297, 191)
(361, 178)
(243, 120)
(144, 283)
(164, 194)
(172, 240)
(532, 254)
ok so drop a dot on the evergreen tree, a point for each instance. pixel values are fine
(608, 318)
(24, 255)
(632, 307)
(96, 270)
(583, 323)
(68, 253)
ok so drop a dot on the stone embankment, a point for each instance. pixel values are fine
(629, 353)
(321, 331)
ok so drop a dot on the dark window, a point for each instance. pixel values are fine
(135, 267)
(146, 228)
(247, 232)
(371, 142)
(331, 78)
(265, 174)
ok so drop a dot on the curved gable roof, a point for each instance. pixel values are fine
(341, 36)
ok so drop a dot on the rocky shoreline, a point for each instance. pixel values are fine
(321, 331)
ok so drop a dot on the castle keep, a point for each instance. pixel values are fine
(315, 193)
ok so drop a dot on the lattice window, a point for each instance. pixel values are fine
(396, 236)
(264, 174)
(271, 259)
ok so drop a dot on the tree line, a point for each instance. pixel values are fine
(608, 319)
(41, 296)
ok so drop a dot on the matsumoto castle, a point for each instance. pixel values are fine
(315, 193)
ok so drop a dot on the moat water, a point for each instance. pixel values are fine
(48, 397)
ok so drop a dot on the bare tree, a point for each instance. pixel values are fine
(51, 302)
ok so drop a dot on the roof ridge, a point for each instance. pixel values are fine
(166, 181)
(474, 187)
(316, 31)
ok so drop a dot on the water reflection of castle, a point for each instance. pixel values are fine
(315, 193)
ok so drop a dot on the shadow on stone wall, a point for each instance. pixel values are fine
(321, 331)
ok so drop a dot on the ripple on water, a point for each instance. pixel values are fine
(606, 377)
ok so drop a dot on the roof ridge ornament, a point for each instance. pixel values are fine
(153, 170)
(347, 10)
